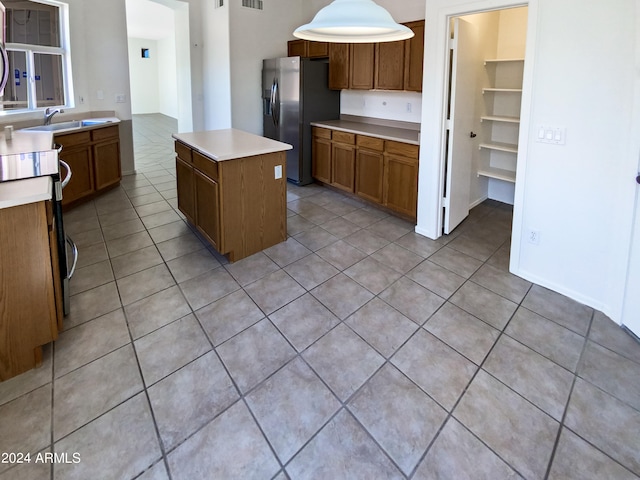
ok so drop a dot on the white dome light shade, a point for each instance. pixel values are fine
(353, 21)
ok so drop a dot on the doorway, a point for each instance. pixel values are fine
(159, 59)
(482, 117)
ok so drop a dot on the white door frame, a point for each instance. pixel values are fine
(432, 146)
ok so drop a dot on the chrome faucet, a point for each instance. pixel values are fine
(48, 114)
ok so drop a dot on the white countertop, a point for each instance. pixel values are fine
(22, 141)
(404, 135)
(22, 192)
(230, 143)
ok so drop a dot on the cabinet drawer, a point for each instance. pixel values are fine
(73, 139)
(321, 132)
(183, 152)
(102, 133)
(371, 143)
(404, 149)
(344, 137)
(206, 165)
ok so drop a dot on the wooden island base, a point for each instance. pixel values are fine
(238, 202)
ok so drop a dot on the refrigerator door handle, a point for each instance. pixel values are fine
(276, 101)
(272, 101)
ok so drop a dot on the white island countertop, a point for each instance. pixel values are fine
(230, 143)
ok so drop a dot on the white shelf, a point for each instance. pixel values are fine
(504, 90)
(498, 173)
(502, 60)
(499, 118)
(502, 147)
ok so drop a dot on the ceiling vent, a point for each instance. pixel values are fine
(256, 4)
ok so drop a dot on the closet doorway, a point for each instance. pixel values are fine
(485, 72)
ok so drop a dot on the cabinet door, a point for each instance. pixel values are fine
(207, 208)
(106, 164)
(390, 65)
(413, 57)
(81, 183)
(338, 66)
(297, 48)
(401, 184)
(321, 159)
(318, 49)
(343, 166)
(369, 174)
(361, 66)
(185, 187)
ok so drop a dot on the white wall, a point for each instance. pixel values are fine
(167, 77)
(388, 105)
(579, 74)
(254, 36)
(143, 76)
(216, 62)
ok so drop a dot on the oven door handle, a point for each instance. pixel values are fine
(67, 177)
(74, 250)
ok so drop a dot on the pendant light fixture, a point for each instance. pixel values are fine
(353, 21)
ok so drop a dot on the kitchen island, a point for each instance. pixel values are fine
(232, 188)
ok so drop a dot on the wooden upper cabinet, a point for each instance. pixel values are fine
(361, 66)
(389, 71)
(317, 49)
(297, 48)
(414, 57)
(338, 66)
(307, 49)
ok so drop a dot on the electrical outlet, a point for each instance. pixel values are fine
(120, 98)
(533, 236)
(81, 99)
(408, 108)
(277, 170)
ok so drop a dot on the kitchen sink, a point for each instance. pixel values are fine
(67, 125)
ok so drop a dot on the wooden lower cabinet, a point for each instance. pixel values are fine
(30, 307)
(94, 159)
(369, 175)
(321, 154)
(106, 164)
(81, 164)
(207, 206)
(238, 205)
(343, 158)
(381, 171)
(401, 184)
(186, 189)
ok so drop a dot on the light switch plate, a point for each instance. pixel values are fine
(278, 171)
(552, 135)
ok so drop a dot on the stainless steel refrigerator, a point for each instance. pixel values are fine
(295, 92)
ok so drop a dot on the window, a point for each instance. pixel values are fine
(36, 36)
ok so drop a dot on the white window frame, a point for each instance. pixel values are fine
(64, 51)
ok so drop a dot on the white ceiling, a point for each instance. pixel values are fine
(148, 19)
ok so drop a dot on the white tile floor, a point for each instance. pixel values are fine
(356, 349)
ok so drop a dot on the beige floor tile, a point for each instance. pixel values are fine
(169, 348)
(186, 400)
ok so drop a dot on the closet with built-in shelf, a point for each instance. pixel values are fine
(499, 38)
(501, 121)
